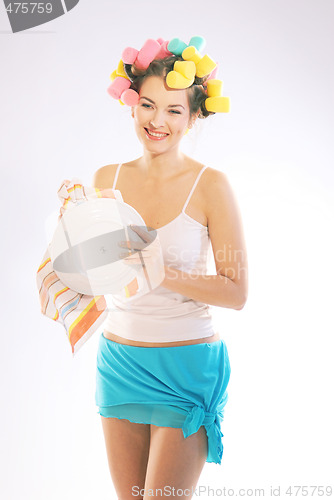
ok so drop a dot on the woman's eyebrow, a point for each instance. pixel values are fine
(170, 105)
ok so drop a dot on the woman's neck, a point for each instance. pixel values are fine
(162, 166)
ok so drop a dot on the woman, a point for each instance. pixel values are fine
(162, 370)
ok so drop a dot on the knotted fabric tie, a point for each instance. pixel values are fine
(196, 417)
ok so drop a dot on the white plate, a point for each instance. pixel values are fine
(84, 249)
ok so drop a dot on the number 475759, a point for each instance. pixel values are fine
(25, 7)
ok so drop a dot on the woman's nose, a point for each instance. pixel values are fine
(157, 120)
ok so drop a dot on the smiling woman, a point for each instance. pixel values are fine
(162, 368)
(163, 117)
(170, 109)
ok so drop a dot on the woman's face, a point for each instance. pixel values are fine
(163, 112)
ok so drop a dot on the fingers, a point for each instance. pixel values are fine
(129, 252)
(135, 259)
(133, 256)
(133, 245)
(143, 233)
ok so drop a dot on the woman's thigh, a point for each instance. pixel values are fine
(127, 445)
(175, 461)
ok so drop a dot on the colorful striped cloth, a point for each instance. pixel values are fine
(81, 315)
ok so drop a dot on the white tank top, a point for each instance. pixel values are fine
(162, 315)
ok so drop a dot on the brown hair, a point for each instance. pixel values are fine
(160, 67)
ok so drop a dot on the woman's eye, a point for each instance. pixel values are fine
(173, 111)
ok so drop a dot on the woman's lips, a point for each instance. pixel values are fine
(155, 138)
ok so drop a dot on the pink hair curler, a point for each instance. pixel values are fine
(164, 52)
(130, 97)
(129, 55)
(147, 53)
(213, 74)
(117, 87)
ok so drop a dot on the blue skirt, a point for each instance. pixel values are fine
(181, 387)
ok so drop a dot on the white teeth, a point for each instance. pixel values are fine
(155, 134)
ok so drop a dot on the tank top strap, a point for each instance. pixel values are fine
(193, 188)
(116, 176)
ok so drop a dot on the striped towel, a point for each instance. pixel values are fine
(80, 314)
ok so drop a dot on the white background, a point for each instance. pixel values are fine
(276, 146)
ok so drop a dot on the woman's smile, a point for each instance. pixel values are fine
(155, 136)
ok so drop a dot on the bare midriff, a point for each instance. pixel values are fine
(121, 340)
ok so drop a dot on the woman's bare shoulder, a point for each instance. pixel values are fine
(212, 177)
(104, 176)
(209, 174)
(214, 171)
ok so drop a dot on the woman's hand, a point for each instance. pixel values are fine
(62, 210)
(140, 252)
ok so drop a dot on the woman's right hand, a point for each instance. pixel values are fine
(66, 182)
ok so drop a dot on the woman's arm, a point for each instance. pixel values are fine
(229, 287)
(216, 290)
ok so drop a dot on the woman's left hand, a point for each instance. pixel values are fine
(140, 252)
